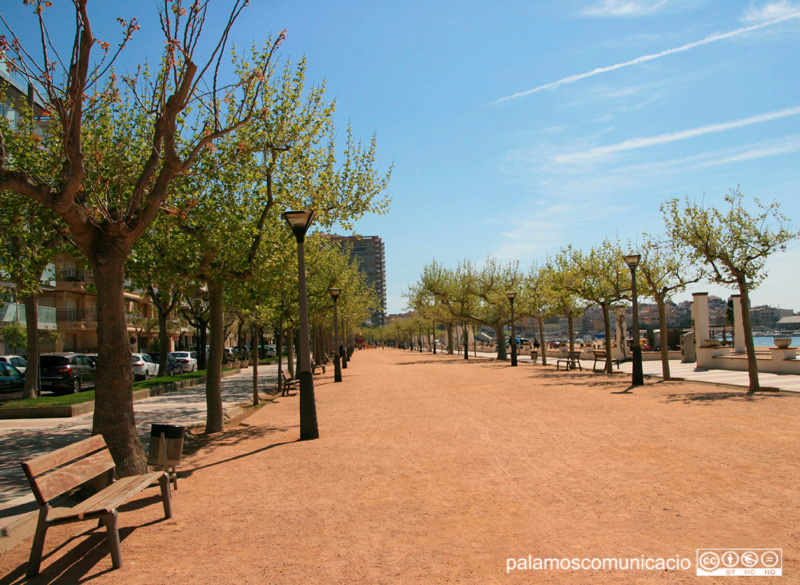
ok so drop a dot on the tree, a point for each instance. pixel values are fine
(735, 243)
(30, 235)
(665, 272)
(538, 299)
(119, 151)
(599, 276)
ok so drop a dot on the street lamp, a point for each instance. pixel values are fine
(511, 296)
(632, 260)
(299, 222)
(337, 366)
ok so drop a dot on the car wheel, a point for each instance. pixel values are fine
(76, 385)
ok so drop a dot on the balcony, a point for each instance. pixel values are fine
(76, 315)
(15, 313)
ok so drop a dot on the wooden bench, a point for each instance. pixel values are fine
(286, 381)
(54, 474)
(600, 355)
(572, 361)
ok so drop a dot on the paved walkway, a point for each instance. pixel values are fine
(787, 382)
(429, 470)
(26, 438)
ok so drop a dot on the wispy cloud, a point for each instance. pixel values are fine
(645, 142)
(645, 58)
(770, 11)
(623, 7)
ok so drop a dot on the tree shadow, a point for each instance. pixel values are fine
(189, 472)
(712, 397)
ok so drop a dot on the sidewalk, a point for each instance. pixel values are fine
(26, 438)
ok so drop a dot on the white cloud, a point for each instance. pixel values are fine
(623, 7)
(645, 58)
(770, 11)
(648, 141)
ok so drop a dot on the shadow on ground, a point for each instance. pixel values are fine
(712, 397)
(85, 550)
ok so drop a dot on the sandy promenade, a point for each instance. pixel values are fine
(431, 470)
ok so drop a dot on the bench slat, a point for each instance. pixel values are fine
(71, 476)
(106, 500)
(48, 461)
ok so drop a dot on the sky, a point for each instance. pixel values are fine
(516, 128)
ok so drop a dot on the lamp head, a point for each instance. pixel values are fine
(299, 222)
(334, 292)
(632, 260)
(511, 295)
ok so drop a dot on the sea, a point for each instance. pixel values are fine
(769, 341)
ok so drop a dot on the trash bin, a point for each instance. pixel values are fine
(534, 355)
(166, 448)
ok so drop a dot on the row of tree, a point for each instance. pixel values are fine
(727, 245)
(175, 176)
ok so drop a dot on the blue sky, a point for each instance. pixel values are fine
(518, 127)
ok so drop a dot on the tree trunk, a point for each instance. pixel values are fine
(570, 323)
(32, 330)
(501, 342)
(214, 415)
(449, 328)
(163, 341)
(543, 344)
(607, 325)
(466, 341)
(290, 352)
(662, 322)
(279, 351)
(752, 365)
(113, 406)
(256, 332)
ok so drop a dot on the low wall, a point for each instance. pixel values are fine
(777, 361)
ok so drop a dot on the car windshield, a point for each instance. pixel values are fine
(52, 361)
(181, 354)
(136, 358)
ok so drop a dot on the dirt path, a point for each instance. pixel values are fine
(431, 470)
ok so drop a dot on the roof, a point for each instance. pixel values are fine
(793, 320)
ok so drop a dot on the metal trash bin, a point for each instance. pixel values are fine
(166, 449)
(534, 355)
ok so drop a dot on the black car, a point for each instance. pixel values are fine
(65, 373)
(11, 380)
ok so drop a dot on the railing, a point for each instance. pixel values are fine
(75, 314)
(15, 313)
(74, 275)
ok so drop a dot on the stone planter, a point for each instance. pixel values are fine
(782, 342)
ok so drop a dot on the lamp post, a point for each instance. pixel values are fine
(337, 366)
(299, 222)
(511, 296)
(632, 260)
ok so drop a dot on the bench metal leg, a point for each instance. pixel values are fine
(35, 560)
(165, 495)
(110, 520)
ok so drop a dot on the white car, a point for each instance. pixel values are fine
(17, 361)
(187, 360)
(143, 366)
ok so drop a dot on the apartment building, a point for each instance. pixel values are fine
(370, 253)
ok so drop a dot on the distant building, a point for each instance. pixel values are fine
(791, 323)
(765, 316)
(369, 252)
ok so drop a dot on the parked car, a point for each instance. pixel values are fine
(66, 372)
(143, 366)
(17, 361)
(187, 360)
(173, 367)
(11, 379)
